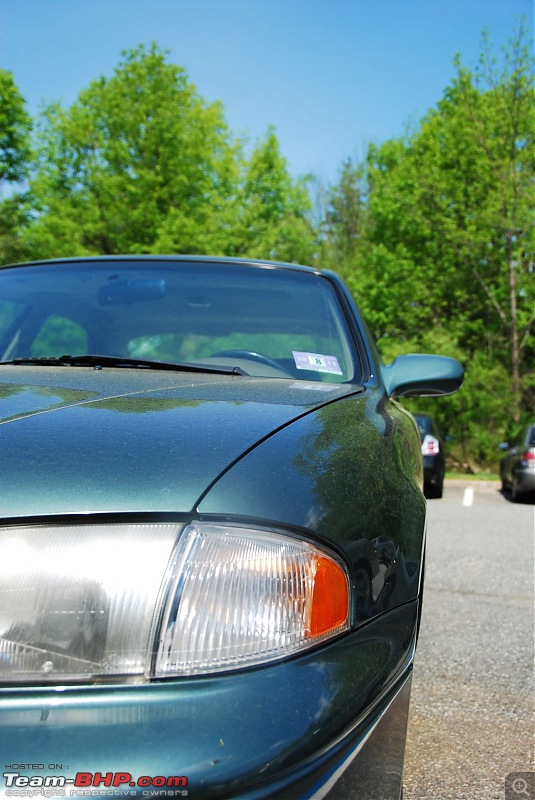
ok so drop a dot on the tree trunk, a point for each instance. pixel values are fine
(514, 338)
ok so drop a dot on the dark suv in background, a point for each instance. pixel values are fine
(433, 456)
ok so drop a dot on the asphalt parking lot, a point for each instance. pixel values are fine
(471, 730)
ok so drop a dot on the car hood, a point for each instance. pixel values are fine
(81, 440)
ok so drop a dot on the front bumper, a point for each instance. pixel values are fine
(330, 723)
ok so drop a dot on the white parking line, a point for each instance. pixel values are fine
(468, 497)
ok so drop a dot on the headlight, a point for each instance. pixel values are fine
(145, 601)
(77, 602)
(239, 596)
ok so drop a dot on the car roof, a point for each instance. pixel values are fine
(143, 258)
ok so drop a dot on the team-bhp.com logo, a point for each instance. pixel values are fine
(94, 784)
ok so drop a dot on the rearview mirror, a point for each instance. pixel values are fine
(422, 375)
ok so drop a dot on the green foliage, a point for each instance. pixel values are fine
(15, 154)
(477, 417)
(343, 224)
(139, 160)
(15, 126)
(141, 163)
(272, 211)
(14, 218)
(60, 335)
(445, 263)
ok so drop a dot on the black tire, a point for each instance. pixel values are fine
(434, 491)
(515, 497)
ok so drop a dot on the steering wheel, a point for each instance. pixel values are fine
(250, 355)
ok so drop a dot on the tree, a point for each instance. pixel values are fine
(137, 164)
(501, 120)
(272, 210)
(140, 163)
(448, 251)
(15, 128)
(343, 224)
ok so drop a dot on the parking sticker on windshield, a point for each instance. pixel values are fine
(316, 362)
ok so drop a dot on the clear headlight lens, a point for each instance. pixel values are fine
(153, 601)
(242, 596)
(78, 602)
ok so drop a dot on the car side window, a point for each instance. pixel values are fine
(60, 334)
(9, 312)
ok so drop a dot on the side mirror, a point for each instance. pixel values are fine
(422, 376)
(504, 445)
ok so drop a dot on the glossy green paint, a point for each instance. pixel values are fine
(229, 733)
(350, 473)
(335, 463)
(419, 375)
(81, 440)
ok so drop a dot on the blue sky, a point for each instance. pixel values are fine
(330, 75)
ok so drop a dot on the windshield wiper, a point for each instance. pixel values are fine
(119, 361)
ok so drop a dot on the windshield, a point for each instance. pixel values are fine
(268, 321)
(424, 424)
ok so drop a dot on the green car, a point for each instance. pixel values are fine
(212, 532)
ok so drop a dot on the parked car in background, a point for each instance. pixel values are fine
(517, 467)
(212, 532)
(433, 456)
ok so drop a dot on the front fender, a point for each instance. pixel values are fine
(350, 474)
